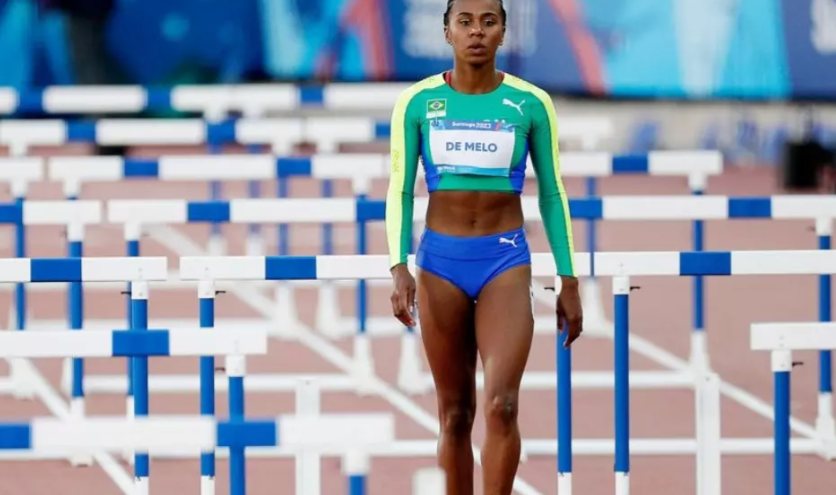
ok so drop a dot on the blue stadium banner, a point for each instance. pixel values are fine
(693, 49)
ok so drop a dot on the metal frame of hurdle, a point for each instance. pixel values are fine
(85, 439)
(708, 446)
(780, 340)
(361, 169)
(134, 213)
(618, 208)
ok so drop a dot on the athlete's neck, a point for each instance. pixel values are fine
(474, 80)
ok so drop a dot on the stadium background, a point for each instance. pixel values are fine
(651, 56)
(742, 76)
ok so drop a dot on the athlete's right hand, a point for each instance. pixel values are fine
(403, 294)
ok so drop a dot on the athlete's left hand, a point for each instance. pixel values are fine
(569, 310)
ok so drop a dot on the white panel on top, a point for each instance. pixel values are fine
(808, 206)
(94, 99)
(15, 270)
(56, 344)
(124, 269)
(223, 268)
(217, 342)
(269, 131)
(85, 168)
(352, 267)
(27, 169)
(336, 430)
(584, 164)
(293, 210)
(638, 263)
(8, 100)
(58, 212)
(665, 207)
(349, 166)
(800, 262)
(153, 434)
(346, 96)
(591, 127)
(217, 167)
(147, 211)
(134, 132)
(707, 162)
(340, 129)
(792, 336)
(33, 132)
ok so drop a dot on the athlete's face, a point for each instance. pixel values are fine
(475, 30)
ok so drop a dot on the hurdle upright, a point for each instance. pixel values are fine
(780, 340)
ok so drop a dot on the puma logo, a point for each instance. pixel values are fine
(512, 241)
(518, 106)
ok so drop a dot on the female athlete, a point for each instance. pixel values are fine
(473, 128)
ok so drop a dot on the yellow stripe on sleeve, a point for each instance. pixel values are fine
(403, 142)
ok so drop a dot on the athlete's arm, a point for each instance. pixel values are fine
(405, 136)
(554, 206)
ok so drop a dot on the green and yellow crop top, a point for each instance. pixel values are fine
(476, 143)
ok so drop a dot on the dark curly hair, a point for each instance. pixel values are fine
(450, 3)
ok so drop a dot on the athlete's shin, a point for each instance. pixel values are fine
(455, 451)
(501, 452)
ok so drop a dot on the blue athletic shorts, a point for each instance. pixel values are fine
(470, 263)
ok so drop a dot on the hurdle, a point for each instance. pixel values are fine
(74, 216)
(620, 266)
(781, 339)
(349, 432)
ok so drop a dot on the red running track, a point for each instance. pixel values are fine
(660, 314)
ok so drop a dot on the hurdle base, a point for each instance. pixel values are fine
(173, 384)
(207, 485)
(21, 387)
(826, 426)
(699, 352)
(410, 374)
(338, 382)
(531, 447)
(79, 458)
(545, 380)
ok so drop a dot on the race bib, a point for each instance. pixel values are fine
(472, 147)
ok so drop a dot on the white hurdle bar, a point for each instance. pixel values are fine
(140, 342)
(178, 435)
(781, 339)
(619, 266)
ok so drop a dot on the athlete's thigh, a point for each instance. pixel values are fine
(446, 319)
(505, 328)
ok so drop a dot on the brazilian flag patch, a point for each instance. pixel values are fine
(436, 108)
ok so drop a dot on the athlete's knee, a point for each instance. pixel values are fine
(457, 417)
(502, 409)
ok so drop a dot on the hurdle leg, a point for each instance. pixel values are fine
(707, 414)
(781, 367)
(139, 320)
(206, 301)
(236, 369)
(22, 388)
(356, 469)
(621, 294)
(75, 234)
(431, 481)
(595, 321)
(825, 424)
(217, 246)
(132, 236)
(699, 348)
(308, 468)
(564, 419)
(328, 321)
(255, 239)
(363, 358)
(285, 315)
